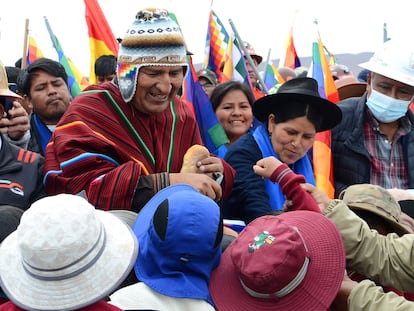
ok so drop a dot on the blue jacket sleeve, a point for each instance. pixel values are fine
(249, 198)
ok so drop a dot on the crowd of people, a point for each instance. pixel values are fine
(97, 213)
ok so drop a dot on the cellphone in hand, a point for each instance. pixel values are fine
(9, 100)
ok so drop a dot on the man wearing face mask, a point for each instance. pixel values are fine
(374, 143)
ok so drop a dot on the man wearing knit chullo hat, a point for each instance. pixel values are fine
(119, 145)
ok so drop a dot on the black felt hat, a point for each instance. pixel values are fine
(303, 90)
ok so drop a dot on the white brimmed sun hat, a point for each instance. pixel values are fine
(4, 84)
(65, 255)
(394, 60)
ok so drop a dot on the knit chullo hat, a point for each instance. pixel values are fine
(153, 39)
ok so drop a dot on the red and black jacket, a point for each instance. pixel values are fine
(21, 174)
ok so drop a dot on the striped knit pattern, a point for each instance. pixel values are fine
(27, 156)
(92, 148)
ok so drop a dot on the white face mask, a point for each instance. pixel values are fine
(386, 109)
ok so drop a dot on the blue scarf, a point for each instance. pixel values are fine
(44, 133)
(302, 166)
(220, 151)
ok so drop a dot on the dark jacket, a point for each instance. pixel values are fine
(249, 198)
(20, 176)
(34, 143)
(351, 160)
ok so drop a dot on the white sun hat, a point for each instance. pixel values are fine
(4, 84)
(126, 216)
(65, 255)
(394, 60)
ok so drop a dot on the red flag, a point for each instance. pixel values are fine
(101, 39)
(291, 60)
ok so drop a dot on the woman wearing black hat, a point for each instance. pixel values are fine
(291, 118)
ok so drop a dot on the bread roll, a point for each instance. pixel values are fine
(194, 154)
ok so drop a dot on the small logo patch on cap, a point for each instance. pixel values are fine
(260, 240)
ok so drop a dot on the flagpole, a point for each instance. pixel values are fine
(25, 43)
(248, 57)
(49, 29)
(268, 59)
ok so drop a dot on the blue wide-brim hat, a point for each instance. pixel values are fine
(179, 232)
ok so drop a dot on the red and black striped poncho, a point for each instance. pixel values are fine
(94, 149)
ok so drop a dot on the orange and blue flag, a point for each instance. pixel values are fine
(291, 59)
(322, 153)
(272, 76)
(33, 51)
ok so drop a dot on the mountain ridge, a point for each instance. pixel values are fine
(352, 61)
(348, 59)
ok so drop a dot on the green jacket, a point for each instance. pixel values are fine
(388, 260)
(368, 296)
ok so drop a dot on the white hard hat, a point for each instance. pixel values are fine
(394, 60)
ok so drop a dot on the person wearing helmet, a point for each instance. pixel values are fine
(254, 79)
(374, 143)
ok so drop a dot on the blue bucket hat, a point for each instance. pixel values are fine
(179, 232)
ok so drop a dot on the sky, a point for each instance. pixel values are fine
(351, 26)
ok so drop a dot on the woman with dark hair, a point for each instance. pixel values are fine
(232, 102)
(290, 118)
